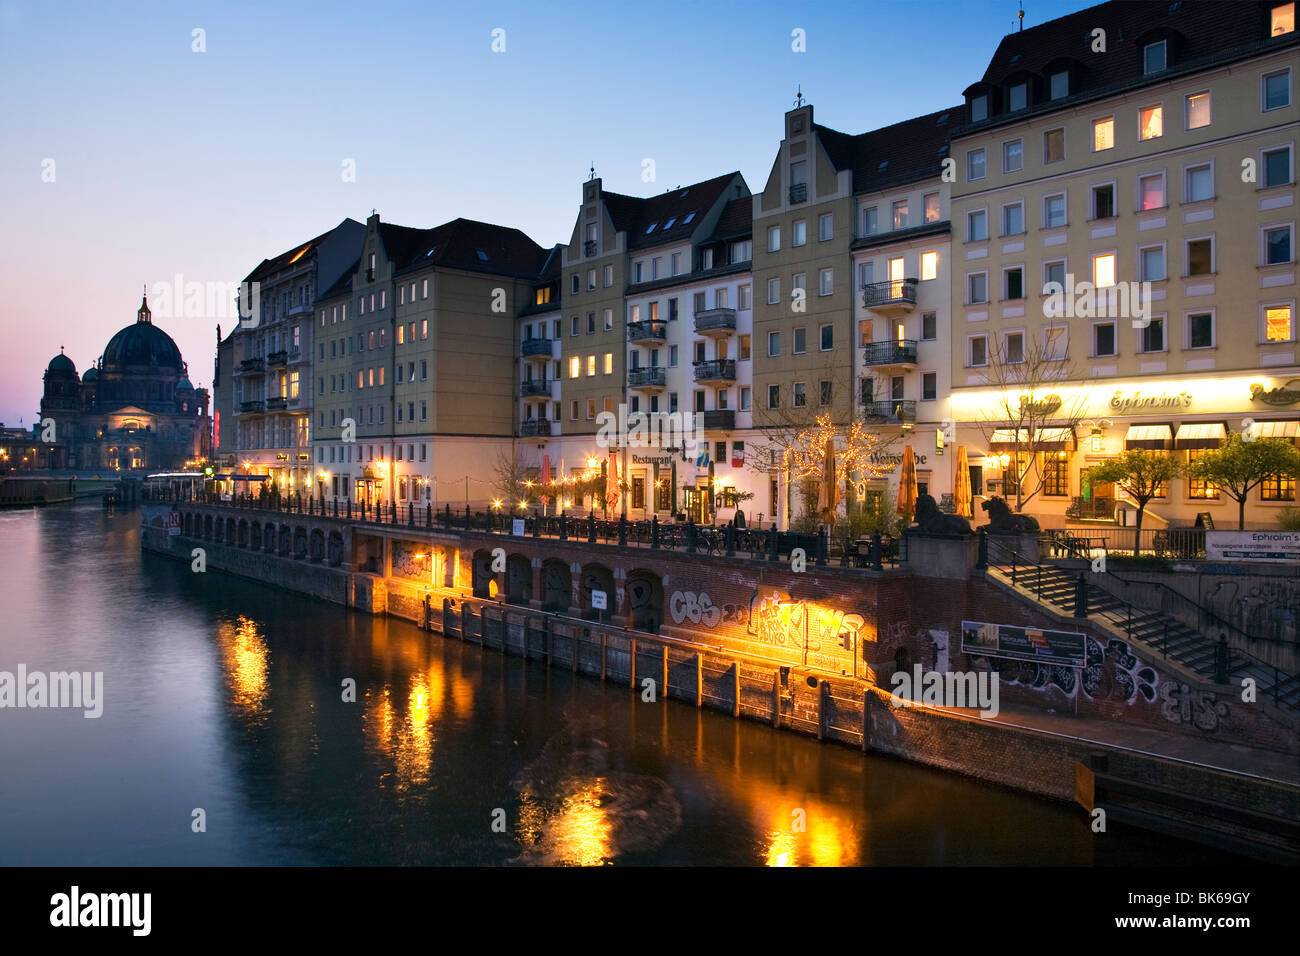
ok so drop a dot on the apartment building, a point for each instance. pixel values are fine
(416, 385)
(1139, 158)
(654, 319)
(851, 268)
(271, 360)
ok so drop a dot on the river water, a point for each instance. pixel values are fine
(224, 696)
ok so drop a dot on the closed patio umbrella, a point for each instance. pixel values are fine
(961, 486)
(828, 492)
(907, 487)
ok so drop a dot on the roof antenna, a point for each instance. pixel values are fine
(798, 98)
(593, 171)
(1022, 17)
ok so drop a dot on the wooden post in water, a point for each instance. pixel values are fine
(546, 639)
(821, 709)
(631, 681)
(776, 698)
(866, 700)
(699, 680)
(604, 642)
(665, 688)
(735, 708)
(574, 646)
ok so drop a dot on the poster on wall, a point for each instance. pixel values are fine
(1252, 545)
(1023, 643)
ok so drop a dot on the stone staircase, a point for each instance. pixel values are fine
(1164, 634)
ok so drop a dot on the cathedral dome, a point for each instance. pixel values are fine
(62, 365)
(143, 344)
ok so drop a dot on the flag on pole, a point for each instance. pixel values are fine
(737, 454)
(611, 487)
(702, 459)
(546, 478)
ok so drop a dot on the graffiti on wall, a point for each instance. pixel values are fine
(1112, 672)
(1266, 607)
(697, 608)
(786, 622)
(1200, 708)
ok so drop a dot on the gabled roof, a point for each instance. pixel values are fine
(270, 266)
(736, 219)
(669, 217)
(904, 152)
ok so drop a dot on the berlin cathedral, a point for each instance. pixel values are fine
(134, 409)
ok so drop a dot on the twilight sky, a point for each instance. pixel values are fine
(168, 161)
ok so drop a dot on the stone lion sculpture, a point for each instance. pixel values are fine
(1002, 520)
(933, 521)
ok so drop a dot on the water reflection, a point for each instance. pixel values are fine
(244, 655)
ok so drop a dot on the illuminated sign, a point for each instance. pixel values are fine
(1124, 403)
(1281, 395)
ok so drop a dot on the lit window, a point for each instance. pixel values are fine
(899, 210)
(1103, 133)
(609, 363)
(1277, 324)
(1103, 270)
(575, 367)
(929, 265)
(1150, 122)
(1198, 110)
(1053, 145)
(931, 207)
(591, 365)
(1151, 191)
(1281, 19)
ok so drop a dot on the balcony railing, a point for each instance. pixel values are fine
(253, 406)
(652, 377)
(277, 358)
(653, 329)
(713, 320)
(895, 412)
(535, 386)
(798, 192)
(535, 427)
(536, 348)
(589, 248)
(894, 352)
(278, 403)
(719, 420)
(893, 292)
(717, 370)
(253, 365)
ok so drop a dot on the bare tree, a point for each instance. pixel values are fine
(1029, 411)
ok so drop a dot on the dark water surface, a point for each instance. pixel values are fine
(223, 695)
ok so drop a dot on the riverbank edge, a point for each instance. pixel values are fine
(825, 706)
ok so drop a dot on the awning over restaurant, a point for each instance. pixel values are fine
(1148, 436)
(1201, 435)
(1009, 437)
(1055, 439)
(1289, 430)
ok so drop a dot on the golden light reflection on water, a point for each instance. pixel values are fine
(244, 655)
(578, 833)
(828, 836)
(408, 741)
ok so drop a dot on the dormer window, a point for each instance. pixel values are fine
(1281, 19)
(651, 228)
(979, 108)
(1018, 96)
(1154, 57)
(1060, 84)
(687, 220)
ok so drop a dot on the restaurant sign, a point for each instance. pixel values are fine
(1252, 545)
(1288, 394)
(1125, 402)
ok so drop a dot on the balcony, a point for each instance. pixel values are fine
(277, 404)
(278, 358)
(535, 428)
(589, 248)
(253, 407)
(536, 348)
(896, 297)
(890, 413)
(532, 387)
(718, 370)
(798, 193)
(653, 330)
(897, 353)
(715, 322)
(653, 377)
(721, 420)
(253, 365)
